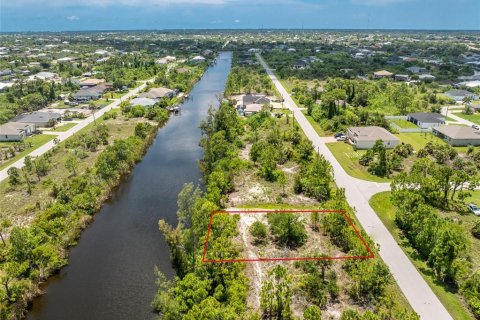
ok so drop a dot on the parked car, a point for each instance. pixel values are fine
(338, 134)
(474, 126)
(341, 138)
(474, 209)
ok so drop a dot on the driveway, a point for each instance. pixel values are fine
(61, 136)
(452, 115)
(358, 192)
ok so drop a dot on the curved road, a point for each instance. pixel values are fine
(358, 192)
(67, 134)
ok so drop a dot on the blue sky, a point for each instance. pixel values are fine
(71, 15)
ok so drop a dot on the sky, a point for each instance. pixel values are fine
(76, 15)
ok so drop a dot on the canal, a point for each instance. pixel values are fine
(110, 272)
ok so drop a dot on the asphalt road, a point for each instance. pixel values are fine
(358, 192)
(67, 134)
(452, 115)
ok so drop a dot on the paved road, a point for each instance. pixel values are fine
(358, 192)
(454, 117)
(67, 134)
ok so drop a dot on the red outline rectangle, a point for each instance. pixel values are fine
(204, 260)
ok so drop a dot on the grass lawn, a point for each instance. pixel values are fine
(404, 124)
(386, 212)
(37, 141)
(348, 158)
(115, 94)
(475, 118)
(65, 127)
(419, 140)
(315, 125)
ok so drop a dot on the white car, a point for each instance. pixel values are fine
(474, 208)
(341, 138)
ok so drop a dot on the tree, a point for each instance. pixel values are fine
(259, 231)
(13, 176)
(4, 225)
(42, 166)
(476, 230)
(71, 164)
(312, 313)
(276, 294)
(288, 228)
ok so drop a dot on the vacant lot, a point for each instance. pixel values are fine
(404, 124)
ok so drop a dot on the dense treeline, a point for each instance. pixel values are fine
(30, 254)
(181, 77)
(440, 179)
(248, 79)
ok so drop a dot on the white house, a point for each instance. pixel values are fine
(456, 135)
(366, 137)
(16, 131)
(426, 120)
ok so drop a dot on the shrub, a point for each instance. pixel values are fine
(476, 230)
(288, 228)
(259, 231)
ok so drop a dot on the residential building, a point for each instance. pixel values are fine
(366, 137)
(38, 118)
(401, 77)
(426, 77)
(457, 135)
(459, 95)
(300, 64)
(426, 120)
(158, 93)
(145, 102)
(255, 99)
(417, 70)
(16, 131)
(44, 75)
(382, 74)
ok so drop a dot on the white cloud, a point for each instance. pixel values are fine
(72, 18)
(236, 20)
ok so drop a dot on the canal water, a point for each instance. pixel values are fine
(110, 272)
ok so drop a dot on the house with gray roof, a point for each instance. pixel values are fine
(366, 137)
(426, 120)
(16, 131)
(254, 99)
(417, 70)
(144, 102)
(158, 93)
(457, 135)
(38, 118)
(459, 95)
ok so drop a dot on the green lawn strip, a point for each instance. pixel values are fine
(419, 140)
(475, 118)
(386, 212)
(316, 126)
(348, 159)
(404, 124)
(36, 141)
(65, 127)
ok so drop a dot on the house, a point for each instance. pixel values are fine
(165, 60)
(91, 82)
(144, 102)
(382, 74)
(254, 99)
(158, 93)
(198, 59)
(38, 118)
(426, 120)
(401, 77)
(300, 64)
(394, 61)
(417, 70)
(366, 137)
(87, 94)
(426, 77)
(16, 131)
(459, 95)
(251, 109)
(456, 135)
(44, 75)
